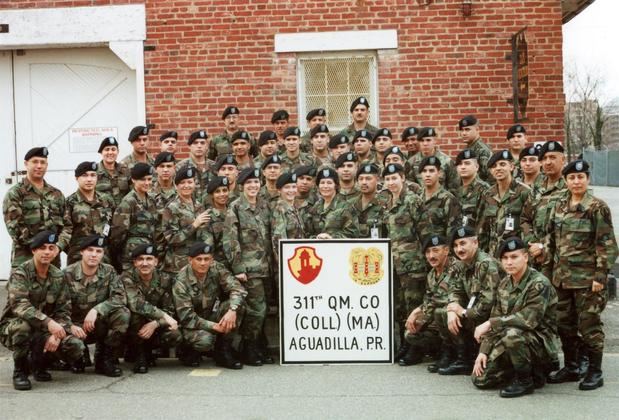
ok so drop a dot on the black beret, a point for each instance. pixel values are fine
(462, 232)
(226, 159)
(292, 131)
(279, 115)
(576, 166)
(362, 134)
(318, 112)
(84, 167)
(345, 157)
(216, 182)
(327, 173)
(467, 121)
(200, 134)
(426, 132)
(97, 241)
(287, 178)
(144, 249)
(168, 134)
(500, 155)
(247, 174)
(529, 151)
(393, 168)
(368, 168)
(136, 132)
(305, 170)
(42, 238)
(36, 152)
(409, 132)
(429, 161)
(383, 132)
(550, 146)
(240, 135)
(320, 128)
(271, 160)
(186, 172)
(108, 141)
(511, 244)
(393, 150)
(140, 170)
(337, 140)
(164, 157)
(361, 100)
(465, 155)
(266, 136)
(434, 240)
(518, 128)
(199, 248)
(230, 110)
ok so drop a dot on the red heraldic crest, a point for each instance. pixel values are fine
(305, 264)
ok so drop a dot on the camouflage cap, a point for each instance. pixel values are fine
(409, 132)
(36, 152)
(510, 244)
(199, 248)
(434, 240)
(144, 249)
(137, 131)
(287, 178)
(518, 128)
(317, 112)
(168, 134)
(500, 155)
(292, 131)
(186, 172)
(164, 157)
(216, 182)
(200, 134)
(97, 241)
(141, 170)
(108, 141)
(467, 121)
(361, 100)
(279, 115)
(84, 167)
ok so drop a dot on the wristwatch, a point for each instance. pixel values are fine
(234, 308)
(464, 313)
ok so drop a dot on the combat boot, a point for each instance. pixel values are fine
(594, 378)
(583, 362)
(413, 356)
(403, 350)
(568, 373)
(263, 349)
(39, 362)
(141, 364)
(188, 356)
(461, 366)
(20, 374)
(110, 365)
(224, 356)
(447, 355)
(99, 357)
(251, 355)
(522, 384)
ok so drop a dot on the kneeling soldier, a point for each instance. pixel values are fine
(208, 300)
(98, 313)
(38, 314)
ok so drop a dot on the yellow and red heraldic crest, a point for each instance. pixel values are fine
(366, 265)
(305, 264)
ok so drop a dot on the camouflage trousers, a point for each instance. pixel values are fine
(579, 312)
(424, 342)
(255, 309)
(408, 291)
(162, 337)
(17, 335)
(202, 340)
(465, 335)
(110, 329)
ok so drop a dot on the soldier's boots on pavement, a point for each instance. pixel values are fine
(404, 347)
(462, 365)
(570, 372)
(39, 361)
(80, 365)
(188, 356)
(20, 374)
(224, 354)
(522, 384)
(251, 355)
(141, 360)
(593, 379)
(263, 349)
(446, 358)
(105, 361)
(413, 356)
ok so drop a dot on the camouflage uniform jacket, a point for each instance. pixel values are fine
(149, 300)
(220, 145)
(247, 238)
(471, 200)
(448, 178)
(581, 245)
(196, 300)
(214, 234)
(339, 219)
(134, 222)
(372, 216)
(441, 213)
(529, 306)
(286, 223)
(437, 289)
(83, 218)
(102, 292)
(28, 211)
(537, 208)
(321, 162)
(270, 196)
(483, 153)
(130, 160)
(478, 280)
(203, 177)
(162, 197)
(351, 195)
(350, 130)
(306, 143)
(290, 164)
(116, 184)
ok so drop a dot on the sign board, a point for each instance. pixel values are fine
(336, 301)
(87, 140)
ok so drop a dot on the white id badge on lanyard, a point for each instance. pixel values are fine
(509, 224)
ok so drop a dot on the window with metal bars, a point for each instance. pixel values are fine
(333, 81)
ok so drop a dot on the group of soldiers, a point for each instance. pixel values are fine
(496, 255)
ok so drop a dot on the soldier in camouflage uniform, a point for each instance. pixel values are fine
(138, 137)
(306, 189)
(241, 149)
(517, 139)
(152, 308)
(320, 142)
(362, 146)
(370, 206)
(471, 191)
(271, 170)
(338, 145)
(531, 168)
(135, 218)
(37, 314)
(471, 296)
(381, 143)
(396, 155)
(292, 156)
(221, 144)
(267, 147)
(163, 191)
(360, 112)
(98, 314)
(502, 205)
(519, 339)
(409, 140)
(32, 205)
(209, 303)
(346, 167)
(469, 132)
(427, 143)
(218, 191)
(315, 117)
(226, 166)
(280, 120)
(113, 178)
(87, 212)
(440, 207)
(247, 245)
(581, 249)
(168, 142)
(198, 146)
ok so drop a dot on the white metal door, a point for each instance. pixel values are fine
(68, 100)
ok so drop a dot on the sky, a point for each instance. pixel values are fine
(591, 43)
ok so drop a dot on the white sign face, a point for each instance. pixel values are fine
(335, 301)
(87, 140)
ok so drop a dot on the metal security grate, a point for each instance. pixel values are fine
(333, 82)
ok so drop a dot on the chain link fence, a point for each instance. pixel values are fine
(604, 167)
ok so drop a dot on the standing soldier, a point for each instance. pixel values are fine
(168, 141)
(113, 177)
(362, 145)
(517, 139)
(135, 218)
(138, 137)
(227, 166)
(471, 192)
(346, 167)
(531, 168)
(198, 146)
(320, 142)
(382, 142)
(360, 112)
(222, 143)
(219, 193)
(247, 245)
(315, 117)
(292, 156)
(338, 145)
(37, 314)
(163, 192)
(267, 147)
(271, 170)
(581, 250)
(469, 132)
(87, 212)
(409, 139)
(395, 155)
(279, 120)
(427, 144)
(306, 189)
(151, 305)
(241, 147)
(32, 205)
(98, 313)
(440, 208)
(369, 205)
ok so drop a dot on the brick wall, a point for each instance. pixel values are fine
(210, 54)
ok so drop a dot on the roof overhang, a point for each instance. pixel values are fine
(571, 8)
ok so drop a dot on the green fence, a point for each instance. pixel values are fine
(604, 167)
